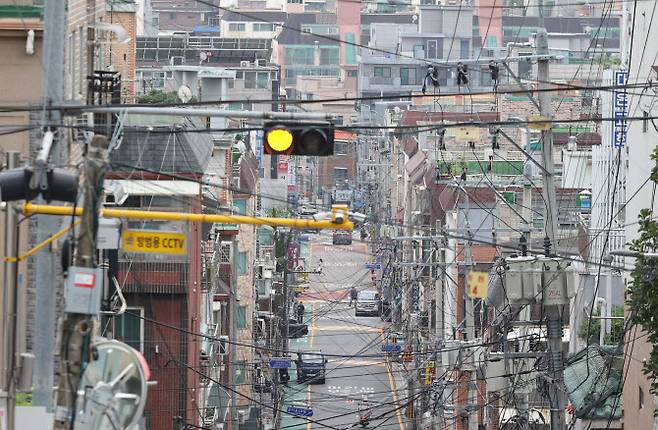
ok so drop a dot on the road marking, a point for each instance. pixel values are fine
(349, 330)
(353, 362)
(391, 383)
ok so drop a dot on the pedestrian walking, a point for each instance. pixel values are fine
(300, 313)
(353, 295)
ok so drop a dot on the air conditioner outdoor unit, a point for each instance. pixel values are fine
(244, 63)
(177, 60)
(260, 62)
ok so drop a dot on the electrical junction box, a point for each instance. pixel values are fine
(83, 290)
(496, 373)
(450, 355)
(471, 355)
(522, 280)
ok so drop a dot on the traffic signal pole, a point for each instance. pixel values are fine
(29, 208)
(9, 305)
(76, 331)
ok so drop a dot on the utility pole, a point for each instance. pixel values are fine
(553, 312)
(52, 82)
(408, 302)
(9, 302)
(76, 330)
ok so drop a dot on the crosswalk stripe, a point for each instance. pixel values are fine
(348, 329)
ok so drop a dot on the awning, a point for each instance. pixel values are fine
(141, 187)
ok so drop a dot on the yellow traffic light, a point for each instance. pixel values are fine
(279, 139)
(295, 138)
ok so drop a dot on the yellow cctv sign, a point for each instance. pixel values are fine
(152, 241)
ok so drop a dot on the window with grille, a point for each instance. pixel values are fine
(225, 253)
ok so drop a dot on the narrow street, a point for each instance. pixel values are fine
(356, 370)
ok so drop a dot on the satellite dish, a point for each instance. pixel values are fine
(414, 18)
(184, 93)
(397, 109)
(112, 390)
(203, 56)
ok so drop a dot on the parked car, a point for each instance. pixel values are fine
(311, 367)
(367, 303)
(342, 237)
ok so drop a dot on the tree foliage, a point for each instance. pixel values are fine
(643, 288)
(592, 330)
(159, 97)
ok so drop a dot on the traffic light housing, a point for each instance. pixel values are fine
(294, 138)
(60, 185)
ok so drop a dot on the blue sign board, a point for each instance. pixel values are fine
(280, 363)
(619, 109)
(374, 266)
(300, 411)
(391, 347)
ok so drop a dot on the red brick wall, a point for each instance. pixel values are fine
(123, 55)
(326, 167)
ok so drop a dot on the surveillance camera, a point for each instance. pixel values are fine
(358, 217)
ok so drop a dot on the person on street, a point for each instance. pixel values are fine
(353, 295)
(300, 313)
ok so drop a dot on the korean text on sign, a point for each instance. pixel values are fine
(150, 241)
(620, 110)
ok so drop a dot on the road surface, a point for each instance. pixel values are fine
(356, 369)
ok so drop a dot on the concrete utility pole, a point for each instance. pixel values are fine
(554, 313)
(408, 302)
(9, 303)
(52, 82)
(76, 330)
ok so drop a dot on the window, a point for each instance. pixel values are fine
(235, 26)
(329, 56)
(241, 317)
(241, 205)
(419, 51)
(382, 72)
(340, 148)
(350, 49)
(263, 27)
(256, 79)
(240, 372)
(172, 15)
(408, 76)
(241, 263)
(299, 56)
(129, 328)
(464, 49)
(645, 121)
(432, 50)
(352, 73)
(340, 175)
(640, 398)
